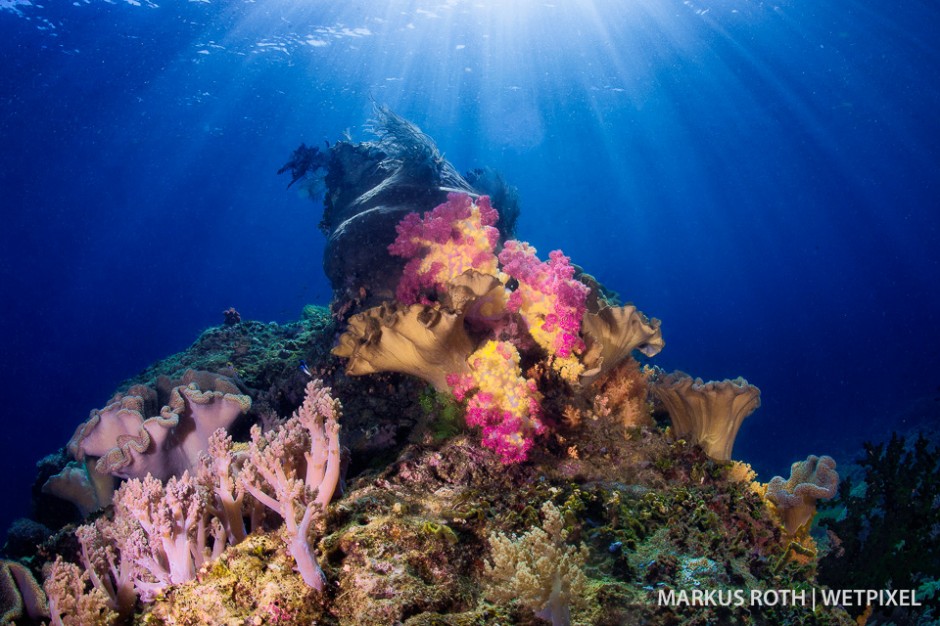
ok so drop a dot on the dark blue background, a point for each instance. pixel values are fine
(763, 177)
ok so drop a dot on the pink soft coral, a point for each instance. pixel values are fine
(550, 300)
(502, 402)
(171, 533)
(452, 238)
(298, 492)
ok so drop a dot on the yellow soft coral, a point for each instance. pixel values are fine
(539, 569)
(504, 404)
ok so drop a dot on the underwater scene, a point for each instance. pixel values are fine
(470, 312)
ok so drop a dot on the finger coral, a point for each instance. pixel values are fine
(795, 498)
(539, 569)
(426, 341)
(298, 494)
(708, 414)
(132, 437)
(503, 403)
(454, 237)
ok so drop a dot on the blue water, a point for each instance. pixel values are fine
(763, 177)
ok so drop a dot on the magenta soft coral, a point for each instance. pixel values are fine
(454, 237)
(503, 403)
(549, 298)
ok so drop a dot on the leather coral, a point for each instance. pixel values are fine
(133, 436)
(708, 414)
(795, 498)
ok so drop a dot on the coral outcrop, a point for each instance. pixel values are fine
(500, 464)
(708, 414)
(370, 187)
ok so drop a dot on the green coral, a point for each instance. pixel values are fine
(886, 532)
(445, 416)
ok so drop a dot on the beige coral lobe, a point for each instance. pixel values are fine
(708, 414)
(612, 333)
(427, 341)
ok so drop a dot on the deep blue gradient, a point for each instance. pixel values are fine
(765, 178)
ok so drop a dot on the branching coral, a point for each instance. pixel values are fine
(888, 526)
(454, 237)
(300, 496)
(612, 334)
(708, 414)
(551, 302)
(426, 341)
(170, 534)
(72, 599)
(109, 570)
(539, 569)
(217, 468)
(503, 403)
(132, 440)
(795, 499)
(624, 394)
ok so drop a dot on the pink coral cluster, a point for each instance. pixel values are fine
(298, 492)
(550, 299)
(175, 533)
(163, 533)
(502, 402)
(452, 238)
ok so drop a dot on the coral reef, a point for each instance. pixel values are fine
(708, 414)
(498, 465)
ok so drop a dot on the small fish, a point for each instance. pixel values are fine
(305, 369)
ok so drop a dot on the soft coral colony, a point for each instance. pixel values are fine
(551, 493)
